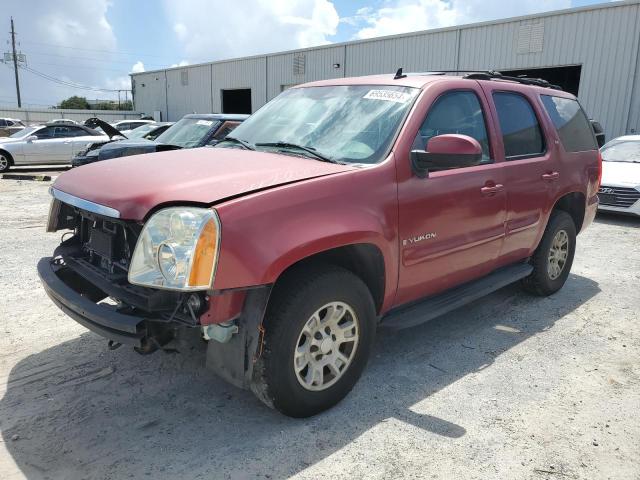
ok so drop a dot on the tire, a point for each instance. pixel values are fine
(295, 309)
(545, 278)
(5, 161)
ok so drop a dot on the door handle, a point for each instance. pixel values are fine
(489, 191)
(551, 176)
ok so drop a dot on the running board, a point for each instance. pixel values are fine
(437, 305)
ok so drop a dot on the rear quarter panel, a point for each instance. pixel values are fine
(265, 233)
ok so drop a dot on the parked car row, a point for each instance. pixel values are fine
(62, 143)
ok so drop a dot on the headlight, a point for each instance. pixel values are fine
(177, 250)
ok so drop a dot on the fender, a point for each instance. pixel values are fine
(264, 233)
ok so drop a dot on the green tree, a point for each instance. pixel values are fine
(75, 102)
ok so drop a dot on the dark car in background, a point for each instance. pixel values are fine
(193, 130)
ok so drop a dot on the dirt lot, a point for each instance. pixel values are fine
(511, 386)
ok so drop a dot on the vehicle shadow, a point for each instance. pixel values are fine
(618, 220)
(78, 410)
(40, 168)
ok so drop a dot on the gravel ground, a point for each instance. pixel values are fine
(511, 386)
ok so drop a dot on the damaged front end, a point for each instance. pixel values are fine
(88, 278)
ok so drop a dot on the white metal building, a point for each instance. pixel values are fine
(592, 51)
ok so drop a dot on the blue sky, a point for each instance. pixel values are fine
(96, 43)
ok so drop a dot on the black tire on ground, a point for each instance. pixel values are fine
(295, 299)
(540, 282)
(5, 161)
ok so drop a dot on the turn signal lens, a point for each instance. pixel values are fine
(204, 256)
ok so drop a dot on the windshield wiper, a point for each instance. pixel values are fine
(310, 150)
(244, 143)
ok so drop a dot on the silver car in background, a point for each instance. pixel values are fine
(46, 144)
(9, 126)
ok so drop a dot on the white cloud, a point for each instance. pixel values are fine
(54, 37)
(401, 16)
(181, 63)
(256, 27)
(138, 67)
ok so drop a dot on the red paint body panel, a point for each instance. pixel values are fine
(266, 232)
(454, 144)
(224, 306)
(136, 185)
(468, 227)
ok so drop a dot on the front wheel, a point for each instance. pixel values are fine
(319, 331)
(553, 258)
(5, 162)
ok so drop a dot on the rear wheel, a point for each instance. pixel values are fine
(319, 331)
(553, 258)
(5, 162)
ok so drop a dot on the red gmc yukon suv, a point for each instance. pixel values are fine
(340, 206)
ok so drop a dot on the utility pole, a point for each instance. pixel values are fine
(15, 62)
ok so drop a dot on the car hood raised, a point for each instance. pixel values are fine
(621, 173)
(135, 185)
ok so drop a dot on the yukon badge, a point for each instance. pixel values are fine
(419, 238)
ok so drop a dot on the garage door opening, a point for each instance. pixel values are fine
(567, 77)
(236, 101)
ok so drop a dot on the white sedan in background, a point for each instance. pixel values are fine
(620, 187)
(125, 126)
(46, 144)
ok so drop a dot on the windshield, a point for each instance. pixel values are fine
(622, 151)
(24, 132)
(351, 123)
(141, 131)
(188, 132)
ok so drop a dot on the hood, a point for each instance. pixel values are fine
(135, 185)
(108, 129)
(123, 148)
(621, 173)
(11, 140)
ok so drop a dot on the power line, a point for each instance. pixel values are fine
(96, 50)
(68, 83)
(93, 59)
(84, 67)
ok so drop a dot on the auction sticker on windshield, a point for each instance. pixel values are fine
(388, 95)
(206, 123)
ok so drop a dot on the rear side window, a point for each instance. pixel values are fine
(572, 124)
(521, 132)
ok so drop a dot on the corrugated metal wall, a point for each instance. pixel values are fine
(318, 65)
(604, 40)
(189, 91)
(243, 73)
(415, 53)
(150, 92)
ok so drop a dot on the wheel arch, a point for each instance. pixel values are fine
(574, 203)
(8, 155)
(365, 260)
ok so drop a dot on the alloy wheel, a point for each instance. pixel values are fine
(558, 254)
(326, 346)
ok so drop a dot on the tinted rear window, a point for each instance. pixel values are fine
(572, 124)
(521, 133)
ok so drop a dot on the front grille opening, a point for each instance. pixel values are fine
(618, 196)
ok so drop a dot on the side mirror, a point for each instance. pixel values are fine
(444, 152)
(31, 138)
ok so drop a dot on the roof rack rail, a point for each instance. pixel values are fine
(523, 79)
